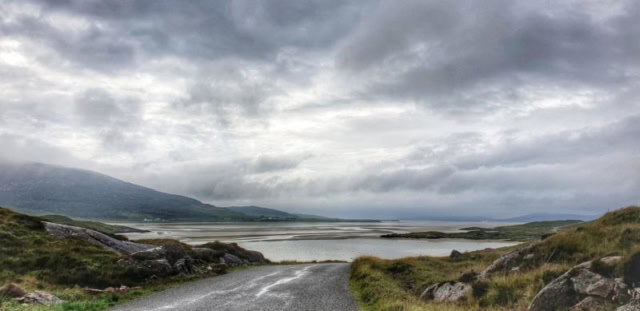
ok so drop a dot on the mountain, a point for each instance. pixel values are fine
(40, 189)
(263, 212)
(548, 217)
(274, 214)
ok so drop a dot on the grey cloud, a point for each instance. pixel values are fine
(97, 107)
(481, 56)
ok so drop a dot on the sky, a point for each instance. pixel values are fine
(386, 109)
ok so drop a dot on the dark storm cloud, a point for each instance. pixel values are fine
(481, 55)
(390, 107)
(120, 32)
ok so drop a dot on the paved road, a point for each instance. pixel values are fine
(312, 287)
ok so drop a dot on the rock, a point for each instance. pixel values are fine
(12, 291)
(184, 265)
(507, 262)
(256, 257)
(157, 267)
(207, 254)
(528, 257)
(231, 260)
(149, 254)
(455, 254)
(556, 295)
(632, 306)
(602, 288)
(446, 292)
(583, 278)
(590, 304)
(612, 260)
(41, 298)
(95, 237)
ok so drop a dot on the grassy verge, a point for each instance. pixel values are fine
(34, 260)
(395, 285)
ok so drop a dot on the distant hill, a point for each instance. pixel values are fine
(270, 213)
(41, 189)
(548, 217)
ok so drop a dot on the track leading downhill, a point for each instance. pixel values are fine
(312, 287)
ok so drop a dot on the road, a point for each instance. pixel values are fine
(309, 287)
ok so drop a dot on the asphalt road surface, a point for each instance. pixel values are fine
(288, 287)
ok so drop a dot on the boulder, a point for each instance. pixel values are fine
(556, 295)
(231, 260)
(157, 267)
(446, 292)
(632, 306)
(207, 254)
(590, 304)
(507, 262)
(12, 291)
(455, 255)
(154, 253)
(184, 265)
(41, 298)
(602, 288)
(95, 237)
(256, 257)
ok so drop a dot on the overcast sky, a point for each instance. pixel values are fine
(343, 108)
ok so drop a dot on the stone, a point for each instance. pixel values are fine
(184, 265)
(455, 254)
(149, 254)
(589, 304)
(446, 292)
(583, 278)
(558, 294)
(612, 260)
(231, 260)
(40, 298)
(12, 291)
(602, 288)
(95, 237)
(157, 267)
(632, 306)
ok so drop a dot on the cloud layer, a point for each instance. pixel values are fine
(342, 108)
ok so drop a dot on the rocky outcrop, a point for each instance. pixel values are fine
(632, 306)
(455, 255)
(510, 262)
(232, 260)
(40, 298)
(581, 288)
(95, 237)
(446, 292)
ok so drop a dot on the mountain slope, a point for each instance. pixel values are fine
(46, 189)
(258, 211)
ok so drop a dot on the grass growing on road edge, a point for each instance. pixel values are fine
(395, 285)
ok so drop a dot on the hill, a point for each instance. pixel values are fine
(263, 212)
(40, 189)
(595, 264)
(524, 232)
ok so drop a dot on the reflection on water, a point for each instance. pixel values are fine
(320, 241)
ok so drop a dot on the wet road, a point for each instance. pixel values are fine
(312, 287)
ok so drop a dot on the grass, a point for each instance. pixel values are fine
(524, 232)
(395, 285)
(34, 260)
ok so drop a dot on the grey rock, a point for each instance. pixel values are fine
(156, 267)
(590, 304)
(455, 254)
(446, 292)
(154, 253)
(632, 306)
(231, 260)
(184, 265)
(583, 278)
(612, 260)
(556, 295)
(95, 237)
(40, 298)
(602, 288)
(529, 257)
